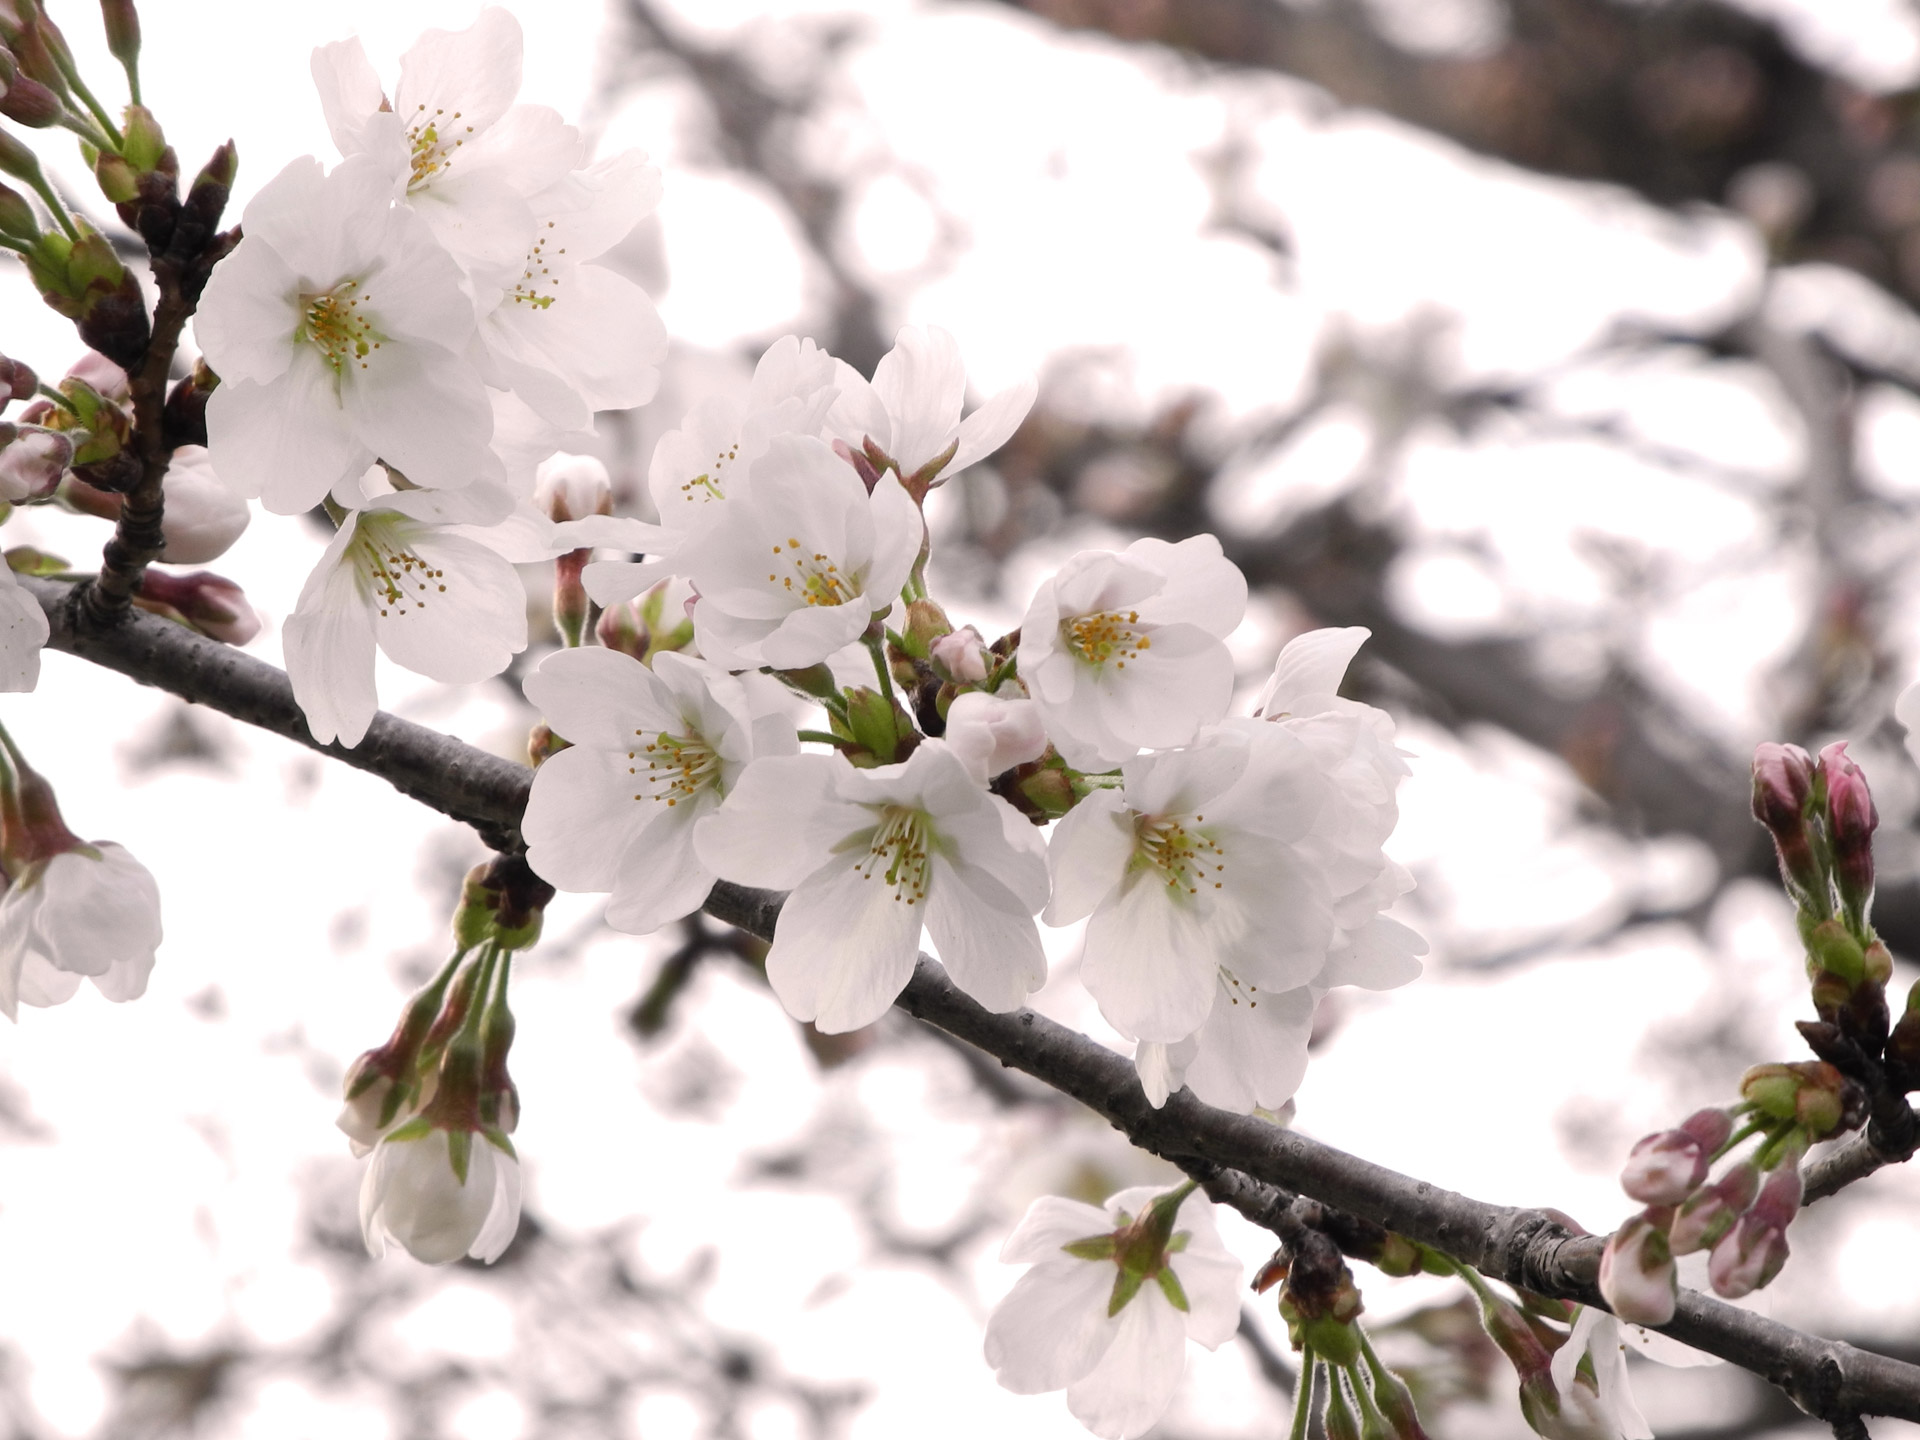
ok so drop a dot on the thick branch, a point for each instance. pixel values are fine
(1525, 1247)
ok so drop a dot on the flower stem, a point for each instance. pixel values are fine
(819, 737)
(877, 649)
(1303, 1396)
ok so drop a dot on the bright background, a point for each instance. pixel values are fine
(731, 1232)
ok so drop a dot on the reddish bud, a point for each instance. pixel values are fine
(1709, 1213)
(1663, 1169)
(1782, 791)
(203, 601)
(1851, 819)
(1747, 1258)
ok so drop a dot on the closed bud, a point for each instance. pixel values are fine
(1637, 1274)
(32, 462)
(184, 420)
(17, 218)
(815, 680)
(572, 487)
(207, 197)
(622, 627)
(118, 180)
(1341, 1422)
(1747, 1258)
(1783, 778)
(203, 601)
(123, 30)
(1046, 790)
(18, 379)
(202, 515)
(926, 624)
(145, 146)
(28, 102)
(878, 727)
(961, 658)
(1710, 1212)
(1662, 1169)
(1851, 820)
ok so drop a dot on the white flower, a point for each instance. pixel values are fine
(337, 327)
(871, 856)
(413, 1195)
(1590, 1373)
(23, 634)
(32, 460)
(653, 752)
(1126, 652)
(911, 411)
(801, 571)
(1353, 744)
(1249, 1054)
(202, 515)
(705, 462)
(1196, 881)
(436, 141)
(992, 733)
(398, 576)
(92, 911)
(1054, 1331)
(571, 487)
(568, 336)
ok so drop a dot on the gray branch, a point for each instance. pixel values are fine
(1532, 1248)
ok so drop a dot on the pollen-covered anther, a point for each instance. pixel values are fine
(399, 579)
(431, 153)
(672, 768)
(815, 577)
(337, 324)
(1189, 859)
(898, 854)
(1106, 635)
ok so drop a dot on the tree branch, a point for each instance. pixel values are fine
(1532, 1248)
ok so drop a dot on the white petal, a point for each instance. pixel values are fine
(779, 824)
(985, 935)
(1134, 1382)
(843, 948)
(1052, 1327)
(1149, 963)
(1310, 668)
(992, 425)
(1051, 1222)
(1088, 855)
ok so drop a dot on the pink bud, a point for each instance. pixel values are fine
(1636, 1273)
(1710, 1213)
(1782, 788)
(210, 603)
(961, 655)
(32, 462)
(1663, 1169)
(990, 734)
(202, 517)
(1747, 1258)
(1851, 819)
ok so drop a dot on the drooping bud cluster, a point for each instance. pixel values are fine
(435, 1103)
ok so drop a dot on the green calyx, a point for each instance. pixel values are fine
(1141, 1250)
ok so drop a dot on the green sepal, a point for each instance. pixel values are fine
(1170, 1287)
(500, 1142)
(25, 560)
(1126, 1285)
(1094, 1247)
(460, 1152)
(417, 1128)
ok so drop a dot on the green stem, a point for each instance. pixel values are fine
(14, 245)
(72, 72)
(1303, 1396)
(877, 649)
(1005, 670)
(47, 392)
(820, 737)
(87, 131)
(53, 203)
(1746, 1132)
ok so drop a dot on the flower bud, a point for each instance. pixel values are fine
(1341, 1422)
(202, 516)
(18, 379)
(28, 102)
(1851, 819)
(1747, 1258)
(118, 180)
(572, 487)
(991, 735)
(17, 218)
(879, 729)
(32, 461)
(123, 30)
(203, 601)
(1711, 1211)
(961, 658)
(1637, 1274)
(926, 624)
(84, 280)
(623, 627)
(206, 202)
(1662, 1169)
(1782, 791)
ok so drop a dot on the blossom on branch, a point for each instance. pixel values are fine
(338, 328)
(440, 1194)
(398, 576)
(1127, 652)
(23, 634)
(1113, 1296)
(872, 857)
(653, 751)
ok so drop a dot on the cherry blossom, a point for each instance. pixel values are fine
(416, 1195)
(337, 327)
(1110, 1302)
(992, 733)
(803, 570)
(653, 752)
(910, 414)
(91, 911)
(871, 857)
(1195, 879)
(1590, 1374)
(23, 634)
(1125, 652)
(401, 577)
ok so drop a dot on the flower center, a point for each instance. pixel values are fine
(706, 485)
(338, 328)
(815, 579)
(898, 854)
(1100, 637)
(537, 273)
(1187, 859)
(673, 767)
(433, 150)
(398, 578)
(1238, 991)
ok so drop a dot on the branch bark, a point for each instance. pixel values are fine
(1528, 1247)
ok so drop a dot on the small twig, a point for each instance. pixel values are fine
(1855, 1158)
